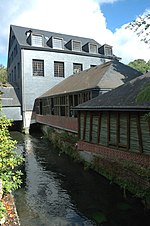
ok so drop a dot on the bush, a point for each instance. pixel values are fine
(9, 159)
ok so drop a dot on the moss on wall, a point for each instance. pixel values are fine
(128, 175)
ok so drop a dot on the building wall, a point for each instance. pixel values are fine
(14, 61)
(118, 130)
(34, 86)
(112, 154)
(64, 123)
(13, 113)
(21, 72)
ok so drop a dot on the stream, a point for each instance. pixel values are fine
(57, 191)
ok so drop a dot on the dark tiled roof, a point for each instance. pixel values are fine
(123, 97)
(10, 96)
(105, 76)
(20, 33)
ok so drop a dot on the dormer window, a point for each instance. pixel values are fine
(108, 51)
(92, 48)
(57, 43)
(76, 45)
(37, 40)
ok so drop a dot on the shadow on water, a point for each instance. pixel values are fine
(58, 191)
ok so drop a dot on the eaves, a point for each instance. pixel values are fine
(67, 52)
(114, 108)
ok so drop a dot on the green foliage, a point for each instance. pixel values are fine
(9, 159)
(100, 217)
(65, 142)
(2, 210)
(147, 116)
(144, 94)
(3, 74)
(141, 26)
(140, 65)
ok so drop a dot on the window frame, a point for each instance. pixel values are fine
(35, 42)
(58, 71)
(60, 39)
(108, 51)
(73, 46)
(91, 47)
(77, 70)
(36, 71)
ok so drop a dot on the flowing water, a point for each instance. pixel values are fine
(58, 191)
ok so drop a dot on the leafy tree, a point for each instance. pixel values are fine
(140, 65)
(9, 160)
(141, 26)
(3, 74)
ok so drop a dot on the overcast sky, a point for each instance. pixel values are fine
(102, 20)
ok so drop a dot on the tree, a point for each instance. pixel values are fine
(140, 65)
(9, 160)
(141, 26)
(3, 74)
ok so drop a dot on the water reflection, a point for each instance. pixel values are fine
(58, 191)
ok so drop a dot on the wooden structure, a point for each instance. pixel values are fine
(82, 87)
(116, 119)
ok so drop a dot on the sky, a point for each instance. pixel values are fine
(102, 20)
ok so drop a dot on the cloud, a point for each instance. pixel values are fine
(106, 1)
(75, 17)
(128, 46)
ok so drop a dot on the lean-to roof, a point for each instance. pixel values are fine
(132, 95)
(105, 76)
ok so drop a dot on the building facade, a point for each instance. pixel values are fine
(56, 107)
(38, 60)
(117, 120)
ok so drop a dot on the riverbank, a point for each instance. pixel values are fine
(130, 176)
(11, 218)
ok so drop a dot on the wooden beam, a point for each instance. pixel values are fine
(91, 122)
(79, 125)
(148, 121)
(84, 125)
(117, 129)
(99, 128)
(139, 132)
(128, 131)
(108, 128)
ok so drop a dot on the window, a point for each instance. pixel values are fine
(12, 76)
(76, 45)
(108, 51)
(37, 40)
(15, 50)
(92, 48)
(18, 69)
(15, 73)
(58, 43)
(77, 68)
(58, 69)
(38, 67)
